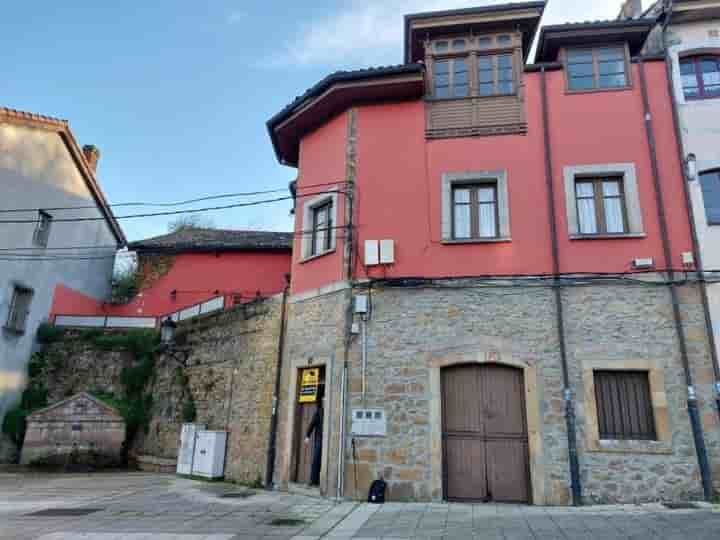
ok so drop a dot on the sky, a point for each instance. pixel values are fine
(176, 93)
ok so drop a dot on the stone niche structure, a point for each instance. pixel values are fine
(79, 429)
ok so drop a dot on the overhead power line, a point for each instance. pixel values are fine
(170, 204)
(173, 212)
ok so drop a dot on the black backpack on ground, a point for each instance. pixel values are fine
(377, 492)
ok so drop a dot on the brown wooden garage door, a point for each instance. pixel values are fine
(485, 443)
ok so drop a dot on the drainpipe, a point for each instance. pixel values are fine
(695, 423)
(575, 484)
(272, 442)
(697, 253)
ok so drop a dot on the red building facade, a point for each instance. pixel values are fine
(188, 273)
(486, 251)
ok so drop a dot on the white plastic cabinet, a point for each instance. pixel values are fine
(187, 447)
(209, 458)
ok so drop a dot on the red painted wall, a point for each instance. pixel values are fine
(399, 177)
(196, 277)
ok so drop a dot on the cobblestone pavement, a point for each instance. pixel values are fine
(140, 506)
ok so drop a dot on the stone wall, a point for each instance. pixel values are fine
(414, 332)
(231, 371)
(231, 361)
(315, 336)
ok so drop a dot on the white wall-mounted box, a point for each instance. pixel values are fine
(187, 447)
(209, 458)
(371, 252)
(646, 262)
(387, 251)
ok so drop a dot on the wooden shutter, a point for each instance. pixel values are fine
(624, 405)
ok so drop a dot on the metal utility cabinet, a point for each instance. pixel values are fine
(209, 457)
(187, 447)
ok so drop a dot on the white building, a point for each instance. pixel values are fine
(43, 171)
(689, 32)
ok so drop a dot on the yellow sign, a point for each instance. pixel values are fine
(309, 385)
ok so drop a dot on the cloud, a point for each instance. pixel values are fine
(370, 32)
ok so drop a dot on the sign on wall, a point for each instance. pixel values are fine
(369, 423)
(309, 383)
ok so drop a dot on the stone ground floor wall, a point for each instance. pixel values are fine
(413, 333)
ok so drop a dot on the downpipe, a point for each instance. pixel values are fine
(700, 447)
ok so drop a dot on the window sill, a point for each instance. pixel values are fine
(431, 99)
(317, 256)
(624, 236)
(478, 240)
(596, 90)
(630, 447)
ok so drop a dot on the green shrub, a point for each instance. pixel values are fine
(48, 333)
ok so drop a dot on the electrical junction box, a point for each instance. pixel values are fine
(361, 303)
(643, 263)
(187, 447)
(387, 251)
(209, 457)
(371, 252)
(687, 258)
(369, 423)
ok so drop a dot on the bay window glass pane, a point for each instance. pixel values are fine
(458, 44)
(689, 78)
(486, 215)
(487, 89)
(462, 221)
(460, 82)
(504, 39)
(613, 215)
(581, 83)
(505, 61)
(485, 42)
(580, 56)
(441, 74)
(610, 53)
(441, 46)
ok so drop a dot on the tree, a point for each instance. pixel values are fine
(190, 221)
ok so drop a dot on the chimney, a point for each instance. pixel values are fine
(631, 9)
(92, 156)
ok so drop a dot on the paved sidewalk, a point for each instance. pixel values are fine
(507, 522)
(140, 506)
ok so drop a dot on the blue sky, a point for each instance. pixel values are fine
(176, 93)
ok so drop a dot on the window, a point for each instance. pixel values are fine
(42, 230)
(600, 206)
(451, 78)
(700, 77)
(495, 74)
(624, 405)
(441, 46)
(475, 211)
(710, 183)
(458, 44)
(321, 229)
(596, 68)
(19, 309)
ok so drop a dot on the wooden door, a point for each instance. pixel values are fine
(485, 443)
(304, 452)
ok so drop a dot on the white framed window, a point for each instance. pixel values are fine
(19, 309)
(602, 201)
(319, 225)
(42, 229)
(475, 207)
